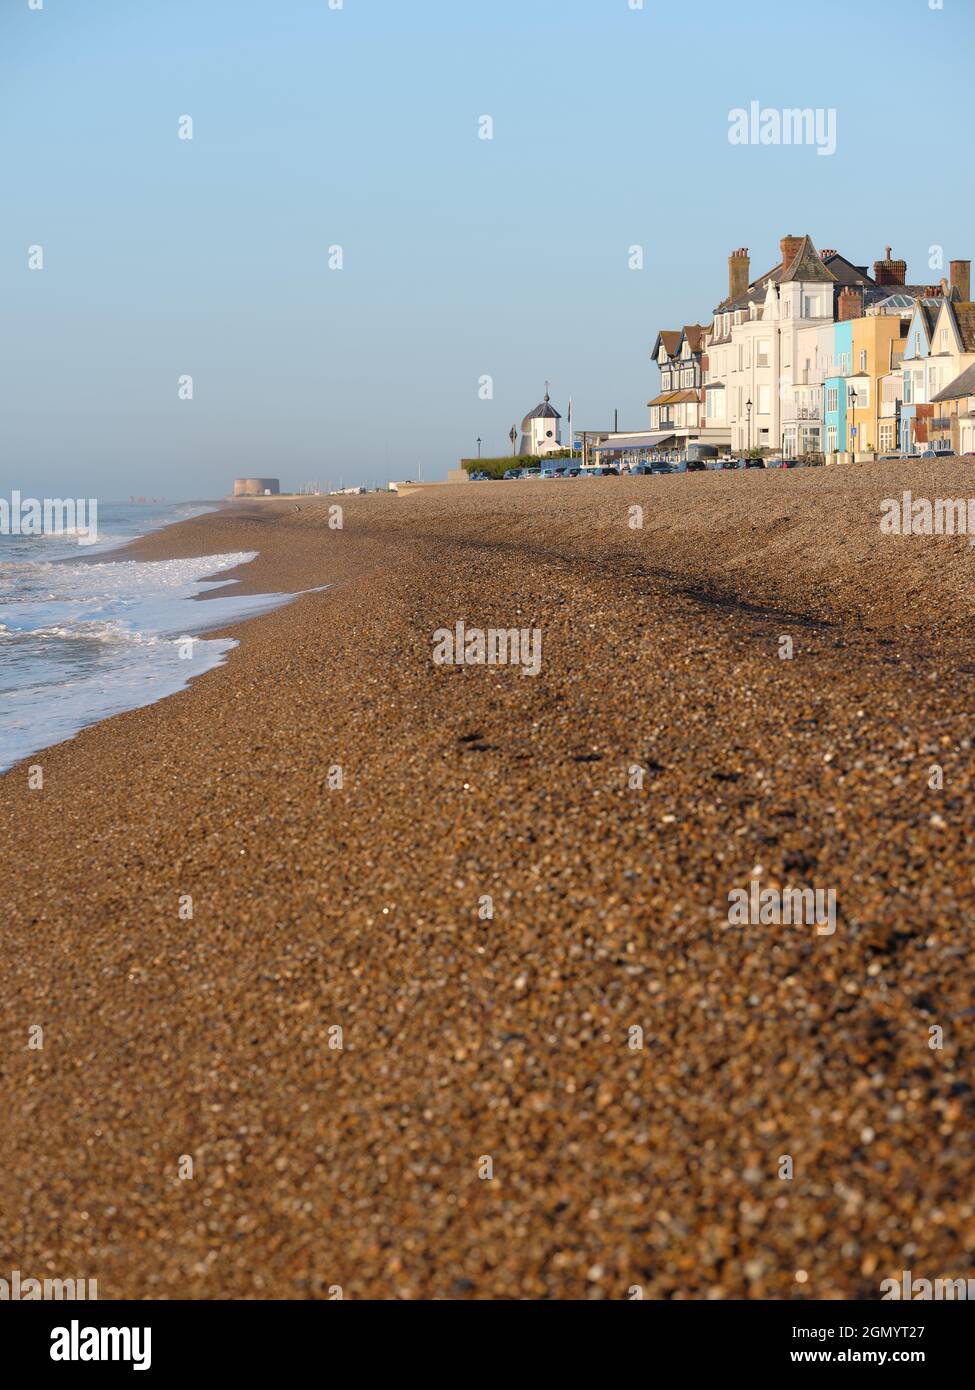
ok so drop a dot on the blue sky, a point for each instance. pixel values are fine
(463, 258)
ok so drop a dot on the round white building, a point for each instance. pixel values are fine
(540, 429)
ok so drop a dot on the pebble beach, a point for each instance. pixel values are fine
(590, 1088)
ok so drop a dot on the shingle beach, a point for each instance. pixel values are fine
(516, 910)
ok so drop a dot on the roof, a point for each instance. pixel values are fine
(809, 266)
(545, 411)
(844, 272)
(670, 337)
(963, 385)
(929, 309)
(692, 334)
(633, 441)
(674, 397)
(755, 291)
(964, 313)
(840, 270)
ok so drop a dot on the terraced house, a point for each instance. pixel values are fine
(940, 345)
(814, 356)
(955, 414)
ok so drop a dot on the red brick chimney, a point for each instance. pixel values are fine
(789, 247)
(850, 303)
(738, 270)
(889, 272)
(961, 278)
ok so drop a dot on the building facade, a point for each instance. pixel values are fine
(817, 357)
(541, 430)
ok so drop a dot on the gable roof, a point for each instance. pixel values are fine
(928, 309)
(670, 337)
(692, 334)
(844, 272)
(964, 316)
(963, 385)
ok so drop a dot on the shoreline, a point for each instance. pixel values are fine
(316, 907)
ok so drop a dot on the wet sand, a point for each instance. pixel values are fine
(465, 1037)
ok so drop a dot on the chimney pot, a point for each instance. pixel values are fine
(890, 272)
(789, 248)
(850, 303)
(961, 278)
(738, 270)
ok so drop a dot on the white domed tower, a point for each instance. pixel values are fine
(540, 430)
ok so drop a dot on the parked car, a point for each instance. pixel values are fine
(702, 452)
(658, 468)
(696, 466)
(791, 463)
(511, 474)
(573, 472)
(754, 463)
(480, 477)
(605, 470)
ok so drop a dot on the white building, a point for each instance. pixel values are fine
(540, 430)
(770, 344)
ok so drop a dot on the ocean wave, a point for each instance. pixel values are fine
(80, 642)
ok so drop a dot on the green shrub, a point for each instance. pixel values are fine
(496, 468)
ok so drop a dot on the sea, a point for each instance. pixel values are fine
(84, 636)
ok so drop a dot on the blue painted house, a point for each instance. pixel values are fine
(834, 388)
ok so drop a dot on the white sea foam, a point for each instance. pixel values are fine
(80, 642)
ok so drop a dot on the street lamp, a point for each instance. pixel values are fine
(852, 398)
(748, 407)
(478, 446)
(513, 435)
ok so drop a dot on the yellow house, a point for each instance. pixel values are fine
(878, 344)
